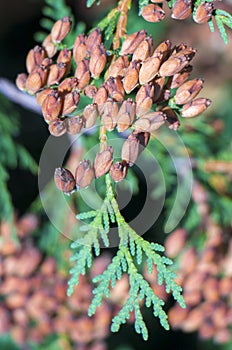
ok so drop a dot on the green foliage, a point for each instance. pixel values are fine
(90, 3)
(223, 18)
(132, 252)
(12, 155)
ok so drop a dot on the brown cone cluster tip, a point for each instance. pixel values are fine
(157, 76)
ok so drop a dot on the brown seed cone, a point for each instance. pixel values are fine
(187, 91)
(21, 81)
(163, 49)
(131, 77)
(36, 80)
(103, 161)
(64, 180)
(203, 12)
(79, 48)
(34, 58)
(82, 73)
(118, 171)
(126, 115)
(115, 89)
(93, 40)
(144, 99)
(130, 150)
(158, 84)
(52, 106)
(150, 122)
(149, 69)
(84, 174)
(50, 48)
(64, 56)
(153, 13)
(57, 128)
(195, 107)
(182, 9)
(67, 85)
(60, 29)
(41, 96)
(174, 65)
(56, 73)
(101, 97)
(118, 67)
(74, 125)
(132, 42)
(70, 102)
(144, 50)
(179, 78)
(90, 115)
(90, 91)
(109, 114)
(97, 60)
(133, 146)
(171, 118)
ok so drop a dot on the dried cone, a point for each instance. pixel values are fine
(97, 60)
(103, 161)
(179, 78)
(79, 48)
(131, 78)
(132, 42)
(90, 115)
(49, 46)
(36, 80)
(82, 73)
(144, 50)
(52, 106)
(101, 97)
(203, 12)
(93, 40)
(67, 85)
(130, 150)
(117, 68)
(126, 115)
(118, 171)
(64, 180)
(56, 73)
(74, 125)
(153, 13)
(182, 9)
(133, 146)
(57, 128)
(60, 29)
(71, 101)
(90, 91)
(21, 81)
(187, 91)
(149, 69)
(34, 58)
(109, 114)
(171, 118)
(195, 107)
(115, 89)
(150, 122)
(177, 62)
(41, 96)
(144, 99)
(84, 174)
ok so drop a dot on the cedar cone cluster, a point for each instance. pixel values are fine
(33, 301)
(205, 276)
(158, 77)
(181, 9)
